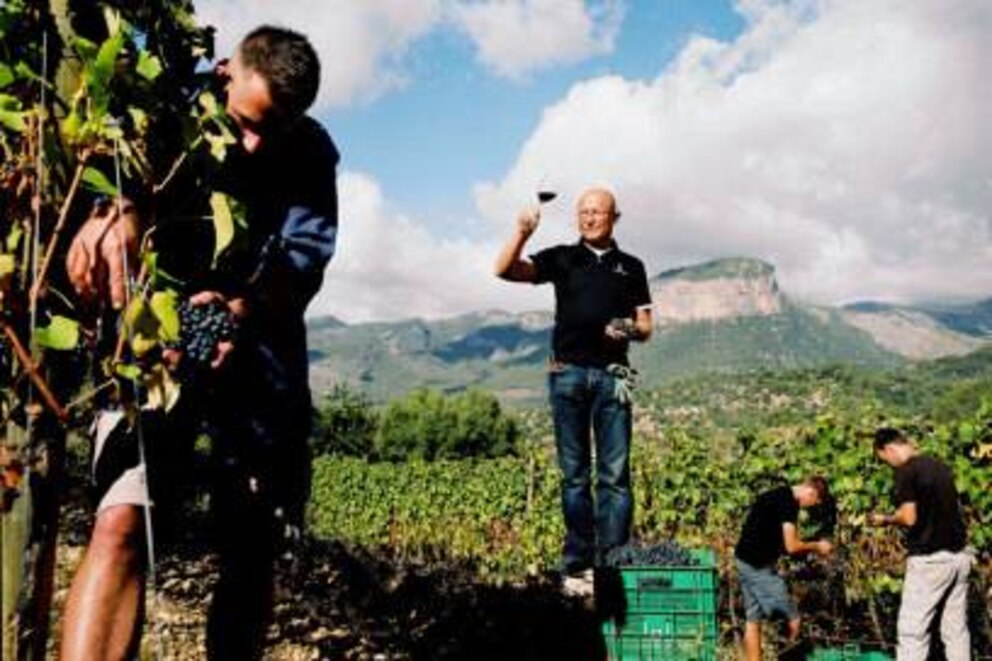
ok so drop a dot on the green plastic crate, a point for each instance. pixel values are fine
(666, 613)
(850, 652)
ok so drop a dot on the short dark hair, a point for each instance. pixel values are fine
(288, 63)
(886, 435)
(820, 486)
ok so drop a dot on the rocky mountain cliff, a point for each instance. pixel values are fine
(717, 290)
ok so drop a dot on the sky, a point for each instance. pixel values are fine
(845, 142)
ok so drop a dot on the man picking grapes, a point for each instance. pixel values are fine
(939, 562)
(244, 328)
(770, 531)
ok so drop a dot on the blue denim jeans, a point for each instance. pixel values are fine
(584, 400)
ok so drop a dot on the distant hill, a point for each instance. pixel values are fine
(723, 316)
(971, 319)
(921, 332)
(974, 319)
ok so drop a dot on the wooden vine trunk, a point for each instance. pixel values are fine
(28, 536)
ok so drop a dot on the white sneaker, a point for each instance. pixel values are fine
(581, 585)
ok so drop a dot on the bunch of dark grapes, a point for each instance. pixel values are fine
(663, 554)
(201, 329)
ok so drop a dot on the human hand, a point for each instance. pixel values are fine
(620, 329)
(876, 519)
(207, 336)
(824, 548)
(528, 219)
(103, 254)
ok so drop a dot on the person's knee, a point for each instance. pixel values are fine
(615, 478)
(117, 531)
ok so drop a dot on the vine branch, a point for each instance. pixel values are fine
(31, 369)
(59, 225)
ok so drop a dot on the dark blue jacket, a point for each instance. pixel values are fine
(290, 202)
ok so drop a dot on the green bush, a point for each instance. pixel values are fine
(427, 425)
(346, 424)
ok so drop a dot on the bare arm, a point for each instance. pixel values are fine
(643, 324)
(509, 265)
(905, 516)
(99, 251)
(796, 546)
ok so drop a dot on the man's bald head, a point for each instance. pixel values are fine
(596, 213)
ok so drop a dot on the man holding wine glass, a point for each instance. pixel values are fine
(602, 303)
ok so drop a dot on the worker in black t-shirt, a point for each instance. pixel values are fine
(938, 565)
(602, 303)
(770, 531)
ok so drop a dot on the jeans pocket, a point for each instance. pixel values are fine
(566, 381)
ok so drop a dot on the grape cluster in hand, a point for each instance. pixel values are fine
(664, 554)
(201, 329)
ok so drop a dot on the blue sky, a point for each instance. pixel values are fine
(843, 141)
(458, 123)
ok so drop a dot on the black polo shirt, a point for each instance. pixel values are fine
(591, 290)
(928, 482)
(762, 540)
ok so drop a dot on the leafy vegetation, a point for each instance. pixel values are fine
(102, 105)
(731, 267)
(423, 425)
(693, 476)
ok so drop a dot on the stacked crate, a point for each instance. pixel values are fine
(664, 613)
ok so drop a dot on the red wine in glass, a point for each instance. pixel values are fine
(545, 196)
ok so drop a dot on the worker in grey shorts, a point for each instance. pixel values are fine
(938, 562)
(769, 532)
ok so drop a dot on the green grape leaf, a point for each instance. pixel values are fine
(62, 334)
(139, 320)
(97, 181)
(6, 75)
(218, 145)
(106, 58)
(163, 306)
(7, 265)
(220, 204)
(71, 126)
(139, 117)
(142, 344)
(163, 391)
(134, 311)
(209, 103)
(85, 48)
(132, 372)
(149, 66)
(24, 71)
(11, 114)
(14, 237)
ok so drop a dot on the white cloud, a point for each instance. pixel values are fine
(515, 37)
(845, 141)
(388, 266)
(360, 43)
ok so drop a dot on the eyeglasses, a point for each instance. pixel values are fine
(599, 213)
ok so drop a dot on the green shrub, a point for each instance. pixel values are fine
(346, 424)
(427, 425)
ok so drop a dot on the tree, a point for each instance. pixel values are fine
(427, 425)
(346, 424)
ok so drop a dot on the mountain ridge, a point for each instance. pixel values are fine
(723, 315)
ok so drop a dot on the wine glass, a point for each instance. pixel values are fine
(544, 193)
